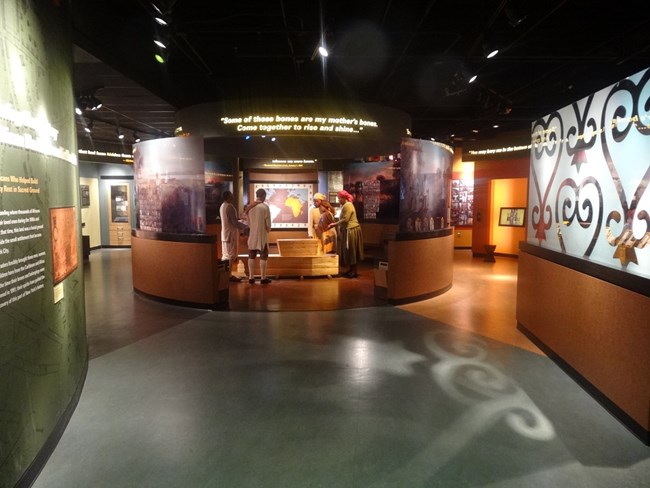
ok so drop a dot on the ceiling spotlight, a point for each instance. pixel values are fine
(490, 49)
(320, 50)
(160, 43)
(87, 101)
(120, 134)
(472, 79)
(136, 136)
(162, 56)
(160, 20)
(94, 103)
(89, 127)
(514, 16)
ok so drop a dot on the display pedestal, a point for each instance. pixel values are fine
(179, 268)
(419, 266)
(489, 253)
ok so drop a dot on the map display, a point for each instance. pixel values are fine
(289, 203)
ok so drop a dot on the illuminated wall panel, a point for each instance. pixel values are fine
(590, 168)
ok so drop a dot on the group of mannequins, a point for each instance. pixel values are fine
(340, 235)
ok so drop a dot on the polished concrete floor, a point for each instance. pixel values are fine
(445, 392)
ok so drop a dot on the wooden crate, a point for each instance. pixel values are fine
(285, 266)
(297, 247)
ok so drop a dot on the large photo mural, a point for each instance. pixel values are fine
(590, 168)
(426, 175)
(170, 185)
(218, 179)
(375, 188)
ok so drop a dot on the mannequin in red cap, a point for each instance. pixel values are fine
(350, 236)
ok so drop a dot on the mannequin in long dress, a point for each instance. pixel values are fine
(326, 234)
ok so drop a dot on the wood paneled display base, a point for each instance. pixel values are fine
(179, 268)
(594, 323)
(419, 266)
(298, 266)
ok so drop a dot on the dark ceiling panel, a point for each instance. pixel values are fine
(412, 55)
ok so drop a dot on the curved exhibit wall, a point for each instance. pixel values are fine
(302, 128)
(43, 358)
(429, 259)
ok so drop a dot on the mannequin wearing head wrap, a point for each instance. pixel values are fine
(314, 216)
(345, 196)
(320, 216)
(350, 236)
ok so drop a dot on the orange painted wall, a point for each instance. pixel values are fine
(507, 192)
(484, 173)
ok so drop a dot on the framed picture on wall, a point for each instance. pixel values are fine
(512, 216)
(85, 196)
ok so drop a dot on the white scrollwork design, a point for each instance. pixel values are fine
(624, 120)
(465, 375)
(591, 181)
(546, 146)
(583, 213)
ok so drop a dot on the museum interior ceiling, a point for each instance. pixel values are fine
(416, 56)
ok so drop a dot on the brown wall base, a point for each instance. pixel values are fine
(176, 270)
(598, 330)
(419, 268)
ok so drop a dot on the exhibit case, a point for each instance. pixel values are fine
(119, 215)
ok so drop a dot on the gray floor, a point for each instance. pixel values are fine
(370, 397)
